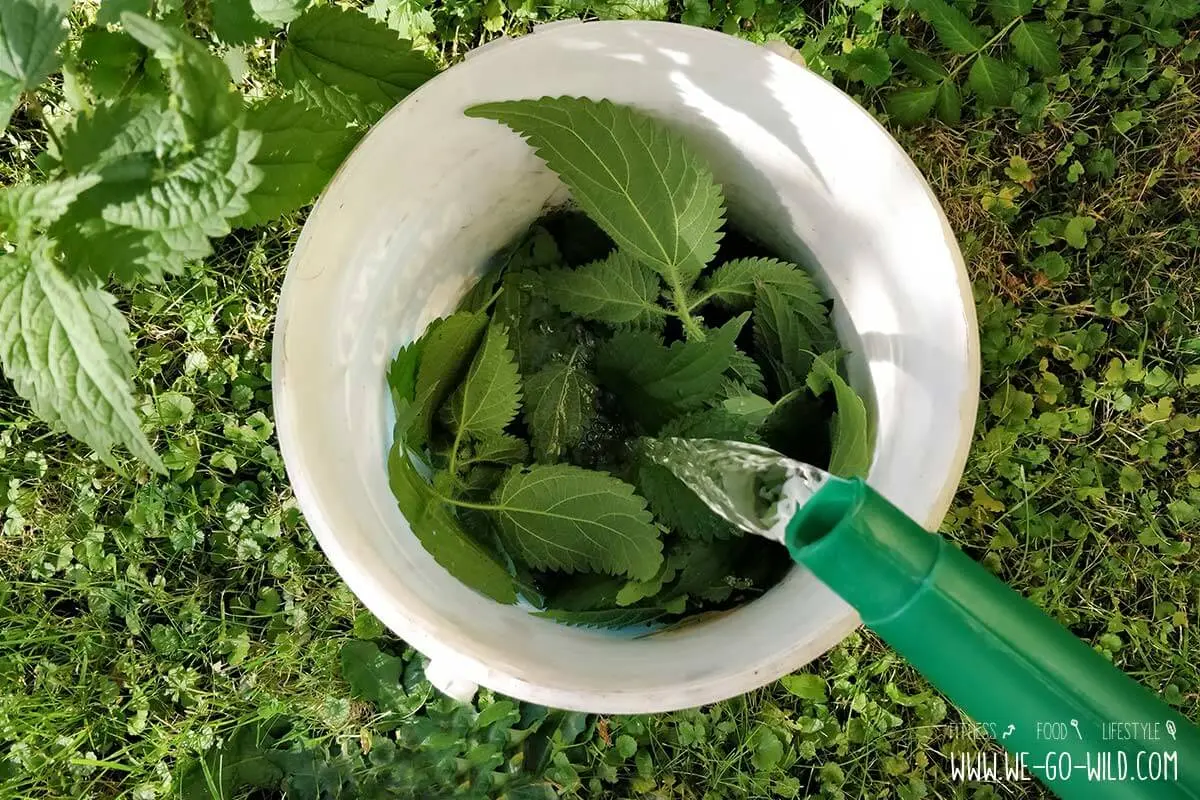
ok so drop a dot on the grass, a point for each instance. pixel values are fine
(184, 636)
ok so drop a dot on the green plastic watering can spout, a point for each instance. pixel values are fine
(1065, 715)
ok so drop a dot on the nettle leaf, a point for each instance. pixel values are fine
(616, 290)
(826, 364)
(502, 449)
(745, 370)
(174, 176)
(992, 80)
(678, 507)
(734, 285)
(655, 382)
(402, 381)
(278, 12)
(851, 456)
(513, 275)
(952, 27)
(483, 477)
(448, 349)
(711, 423)
(440, 532)
(24, 207)
(639, 180)
(198, 201)
(1005, 11)
(66, 349)
(731, 388)
(559, 405)
(149, 218)
(113, 139)
(910, 106)
(301, 150)
(755, 408)
(1036, 45)
(794, 424)
(199, 83)
(30, 34)
(587, 593)
(485, 291)
(574, 519)
(608, 618)
(112, 61)
(702, 567)
(784, 338)
(537, 331)
(634, 592)
(349, 66)
(491, 395)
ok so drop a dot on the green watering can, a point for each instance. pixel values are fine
(1065, 715)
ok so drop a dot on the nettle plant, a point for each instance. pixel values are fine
(518, 456)
(156, 154)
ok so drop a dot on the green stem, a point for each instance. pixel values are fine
(986, 45)
(454, 451)
(691, 328)
(701, 300)
(451, 501)
(452, 468)
(465, 503)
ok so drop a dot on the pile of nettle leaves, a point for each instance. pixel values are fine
(519, 417)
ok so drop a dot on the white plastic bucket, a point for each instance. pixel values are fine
(429, 195)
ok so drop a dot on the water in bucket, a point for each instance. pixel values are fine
(753, 487)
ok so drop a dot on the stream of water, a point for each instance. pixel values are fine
(753, 487)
